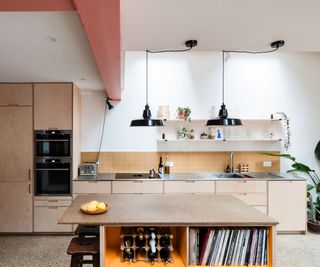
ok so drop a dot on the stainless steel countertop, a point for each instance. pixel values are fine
(258, 176)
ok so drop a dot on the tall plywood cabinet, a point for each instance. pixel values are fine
(16, 154)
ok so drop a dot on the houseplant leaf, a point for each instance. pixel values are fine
(287, 156)
(310, 187)
(301, 167)
(317, 151)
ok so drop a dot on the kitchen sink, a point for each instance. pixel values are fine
(136, 176)
(228, 175)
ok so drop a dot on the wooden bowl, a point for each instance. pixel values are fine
(96, 212)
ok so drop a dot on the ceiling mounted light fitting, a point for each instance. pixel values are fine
(146, 119)
(223, 119)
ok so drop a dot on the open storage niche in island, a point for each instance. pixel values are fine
(179, 212)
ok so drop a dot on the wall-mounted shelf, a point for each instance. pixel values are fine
(219, 141)
(254, 135)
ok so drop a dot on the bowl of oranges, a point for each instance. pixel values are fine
(94, 207)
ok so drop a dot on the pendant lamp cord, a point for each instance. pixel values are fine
(147, 77)
(223, 77)
(240, 52)
(147, 64)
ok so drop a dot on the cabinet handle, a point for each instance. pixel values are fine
(29, 188)
(190, 182)
(52, 208)
(138, 182)
(53, 201)
(52, 128)
(92, 182)
(29, 174)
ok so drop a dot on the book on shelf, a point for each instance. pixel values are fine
(228, 246)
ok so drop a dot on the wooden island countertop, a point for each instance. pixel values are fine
(168, 210)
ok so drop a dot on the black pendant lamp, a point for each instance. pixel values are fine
(223, 119)
(146, 116)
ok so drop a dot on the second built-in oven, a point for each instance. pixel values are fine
(53, 176)
(53, 144)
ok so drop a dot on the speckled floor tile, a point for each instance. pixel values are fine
(50, 251)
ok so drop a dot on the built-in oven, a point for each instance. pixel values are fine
(53, 144)
(53, 176)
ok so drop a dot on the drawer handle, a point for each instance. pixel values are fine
(53, 201)
(138, 182)
(29, 188)
(243, 182)
(53, 208)
(190, 182)
(92, 182)
(29, 174)
(241, 194)
(52, 128)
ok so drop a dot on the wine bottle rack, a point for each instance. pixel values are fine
(133, 249)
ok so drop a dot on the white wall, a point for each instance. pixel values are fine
(256, 86)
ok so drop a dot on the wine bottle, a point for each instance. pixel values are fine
(152, 253)
(141, 240)
(128, 242)
(165, 254)
(160, 167)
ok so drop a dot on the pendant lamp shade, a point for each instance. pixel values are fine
(222, 119)
(146, 119)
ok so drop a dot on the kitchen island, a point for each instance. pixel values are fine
(179, 212)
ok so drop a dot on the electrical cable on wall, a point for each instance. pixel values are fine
(109, 106)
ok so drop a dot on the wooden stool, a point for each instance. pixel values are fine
(80, 247)
(84, 230)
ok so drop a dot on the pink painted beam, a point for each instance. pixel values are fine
(36, 5)
(101, 21)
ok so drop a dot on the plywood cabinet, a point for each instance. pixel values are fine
(53, 106)
(92, 187)
(15, 207)
(12, 94)
(287, 204)
(137, 187)
(47, 211)
(241, 186)
(189, 187)
(16, 144)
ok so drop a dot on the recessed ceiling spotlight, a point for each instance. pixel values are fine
(50, 39)
(82, 79)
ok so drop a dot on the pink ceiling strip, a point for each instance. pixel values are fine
(36, 5)
(101, 21)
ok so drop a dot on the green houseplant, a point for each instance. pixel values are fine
(313, 188)
(184, 113)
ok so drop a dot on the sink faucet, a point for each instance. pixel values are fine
(232, 162)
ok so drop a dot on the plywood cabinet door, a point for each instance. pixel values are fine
(16, 147)
(287, 204)
(53, 106)
(15, 207)
(16, 94)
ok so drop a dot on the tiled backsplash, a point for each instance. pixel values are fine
(183, 162)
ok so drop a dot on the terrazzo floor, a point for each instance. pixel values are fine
(50, 251)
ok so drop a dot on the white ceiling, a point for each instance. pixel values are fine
(221, 24)
(151, 24)
(25, 55)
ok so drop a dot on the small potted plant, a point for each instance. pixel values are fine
(313, 189)
(184, 113)
(182, 132)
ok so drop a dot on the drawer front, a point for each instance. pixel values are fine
(189, 187)
(87, 187)
(46, 220)
(137, 187)
(52, 201)
(241, 186)
(253, 199)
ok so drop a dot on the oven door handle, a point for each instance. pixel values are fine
(52, 140)
(50, 169)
